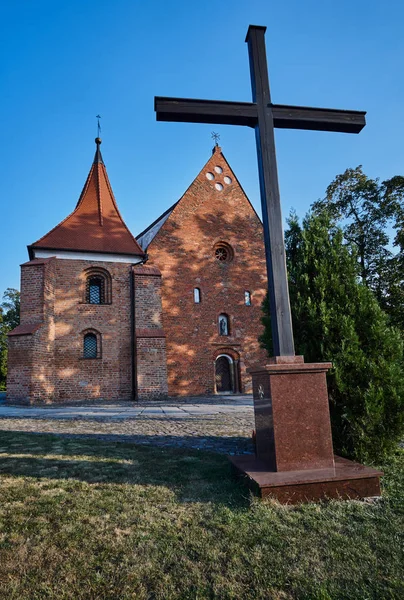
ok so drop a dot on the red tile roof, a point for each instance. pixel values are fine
(96, 224)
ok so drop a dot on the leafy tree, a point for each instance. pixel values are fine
(366, 207)
(337, 318)
(11, 307)
(9, 318)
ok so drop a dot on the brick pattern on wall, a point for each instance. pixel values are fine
(47, 365)
(183, 250)
(150, 337)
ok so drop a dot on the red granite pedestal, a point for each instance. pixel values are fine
(294, 459)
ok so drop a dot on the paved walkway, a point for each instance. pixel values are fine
(220, 423)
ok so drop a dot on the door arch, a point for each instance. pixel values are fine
(224, 375)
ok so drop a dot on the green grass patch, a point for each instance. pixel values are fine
(90, 520)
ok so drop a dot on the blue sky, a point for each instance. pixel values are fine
(65, 62)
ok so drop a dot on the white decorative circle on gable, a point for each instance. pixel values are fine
(210, 176)
(218, 169)
(227, 180)
(218, 186)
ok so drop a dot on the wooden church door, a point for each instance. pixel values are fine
(224, 375)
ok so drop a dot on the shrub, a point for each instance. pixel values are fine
(336, 318)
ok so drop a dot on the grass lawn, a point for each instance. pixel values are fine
(85, 519)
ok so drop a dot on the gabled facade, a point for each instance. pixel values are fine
(209, 248)
(91, 321)
(99, 323)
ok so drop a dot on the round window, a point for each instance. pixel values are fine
(223, 252)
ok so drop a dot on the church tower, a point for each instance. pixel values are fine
(209, 247)
(91, 322)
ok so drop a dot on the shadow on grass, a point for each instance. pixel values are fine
(213, 443)
(193, 475)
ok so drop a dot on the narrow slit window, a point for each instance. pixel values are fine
(90, 346)
(197, 295)
(247, 298)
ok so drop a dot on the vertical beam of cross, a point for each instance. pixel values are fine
(278, 290)
(264, 116)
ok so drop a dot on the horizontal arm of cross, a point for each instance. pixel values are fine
(245, 113)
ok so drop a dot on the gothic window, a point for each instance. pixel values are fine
(97, 286)
(247, 298)
(197, 295)
(223, 324)
(90, 346)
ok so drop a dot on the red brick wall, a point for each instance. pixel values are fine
(32, 290)
(31, 373)
(107, 377)
(150, 338)
(48, 365)
(183, 250)
(20, 363)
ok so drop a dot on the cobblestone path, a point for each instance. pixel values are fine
(223, 426)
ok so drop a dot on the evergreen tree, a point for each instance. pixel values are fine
(336, 318)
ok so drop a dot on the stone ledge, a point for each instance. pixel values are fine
(347, 480)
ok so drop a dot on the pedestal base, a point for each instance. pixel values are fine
(346, 480)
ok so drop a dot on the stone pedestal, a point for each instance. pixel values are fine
(294, 456)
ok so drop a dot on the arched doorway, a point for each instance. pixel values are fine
(224, 375)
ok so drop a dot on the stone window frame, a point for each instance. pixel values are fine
(106, 285)
(98, 336)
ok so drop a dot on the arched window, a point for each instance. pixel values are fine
(247, 298)
(223, 324)
(97, 286)
(197, 295)
(90, 346)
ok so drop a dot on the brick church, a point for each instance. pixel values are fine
(175, 311)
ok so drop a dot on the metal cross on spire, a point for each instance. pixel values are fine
(216, 137)
(98, 117)
(263, 116)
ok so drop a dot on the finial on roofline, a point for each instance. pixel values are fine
(98, 141)
(216, 137)
(98, 117)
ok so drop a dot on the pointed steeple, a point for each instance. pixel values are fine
(96, 224)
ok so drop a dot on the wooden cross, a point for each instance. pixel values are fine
(264, 116)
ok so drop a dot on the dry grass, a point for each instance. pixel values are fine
(87, 520)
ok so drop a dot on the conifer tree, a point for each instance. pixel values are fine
(336, 318)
